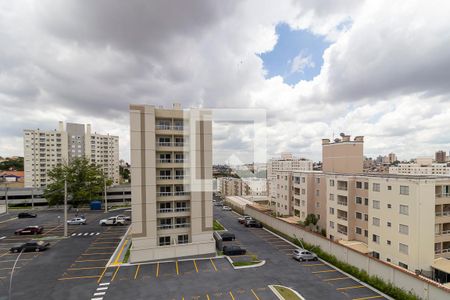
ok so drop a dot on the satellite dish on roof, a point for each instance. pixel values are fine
(342, 134)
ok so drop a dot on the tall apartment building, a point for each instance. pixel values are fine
(441, 156)
(400, 219)
(420, 169)
(232, 186)
(171, 182)
(43, 150)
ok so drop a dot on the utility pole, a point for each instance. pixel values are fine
(106, 198)
(32, 198)
(65, 207)
(6, 197)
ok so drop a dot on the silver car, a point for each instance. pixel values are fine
(77, 221)
(303, 255)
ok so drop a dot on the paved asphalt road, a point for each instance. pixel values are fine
(74, 268)
(52, 274)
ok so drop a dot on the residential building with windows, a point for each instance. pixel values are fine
(171, 183)
(437, 169)
(232, 186)
(441, 156)
(43, 150)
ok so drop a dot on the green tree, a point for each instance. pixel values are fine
(311, 221)
(85, 181)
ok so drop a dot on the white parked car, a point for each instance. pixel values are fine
(226, 207)
(112, 221)
(126, 218)
(77, 221)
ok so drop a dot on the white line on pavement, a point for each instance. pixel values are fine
(1, 238)
(102, 288)
(97, 233)
(99, 294)
(104, 283)
(86, 233)
(97, 298)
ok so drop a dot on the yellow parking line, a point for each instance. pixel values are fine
(231, 295)
(254, 294)
(79, 277)
(85, 268)
(337, 278)
(157, 269)
(176, 266)
(350, 287)
(213, 264)
(100, 248)
(195, 265)
(89, 260)
(324, 271)
(312, 265)
(137, 272)
(116, 261)
(207, 297)
(101, 276)
(366, 298)
(99, 253)
(115, 273)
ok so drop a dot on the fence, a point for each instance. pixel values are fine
(409, 281)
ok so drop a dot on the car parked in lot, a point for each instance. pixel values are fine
(77, 221)
(227, 236)
(112, 221)
(23, 215)
(233, 250)
(226, 208)
(244, 219)
(126, 218)
(303, 255)
(30, 230)
(253, 223)
(35, 246)
(218, 203)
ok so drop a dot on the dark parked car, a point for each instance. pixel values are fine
(35, 246)
(30, 230)
(233, 250)
(253, 223)
(26, 215)
(227, 236)
(244, 219)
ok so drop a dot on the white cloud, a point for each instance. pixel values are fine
(301, 62)
(385, 76)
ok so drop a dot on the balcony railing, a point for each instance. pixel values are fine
(165, 177)
(443, 195)
(340, 202)
(165, 226)
(169, 127)
(165, 144)
(180, 193)
(163, 194)
(180, 160)
(342, 231)
(444, 213)
(342, 218)
(165, 210)
(181, 176)
(180, 209)
(176, 193)
(179, 144)
(170, 144)
(441, 251)
(165, 160)
(182, 225)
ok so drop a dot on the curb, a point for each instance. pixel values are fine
(171, 261)
(274, 290)
(108, 264)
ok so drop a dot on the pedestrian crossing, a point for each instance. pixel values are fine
(84, 234)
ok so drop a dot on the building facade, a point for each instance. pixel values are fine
(44, 150)
(171, 183)
(441, 156)
(420, 169)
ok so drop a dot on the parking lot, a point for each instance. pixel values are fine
(69, 269)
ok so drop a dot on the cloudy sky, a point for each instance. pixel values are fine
(317, 68)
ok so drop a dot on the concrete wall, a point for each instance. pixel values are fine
(424, 288)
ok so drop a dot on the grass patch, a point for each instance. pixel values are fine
(245, 263)
(286, 293)
(127, 255)
(375, 281)
(217, 226)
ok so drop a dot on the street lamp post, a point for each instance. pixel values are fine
(6, 197)
(104, 190)
(65, 208)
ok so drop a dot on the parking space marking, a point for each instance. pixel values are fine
(195, 265)
(157, 269)
(78, 277)
(335, 279)
(254, 294)
(99, 253)
(176, 267)
(370, 297)
(231, 295)
(116, 261)
(213, 264)
(207, 297)
(324, 271)
(101, 276)
(115, 273)
(85, 268)
(350, 287)
(313, 265)
(91, 260)
(137, 272)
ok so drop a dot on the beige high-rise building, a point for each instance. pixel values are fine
(231, 186)
(171, 183)
(43, 150)
(343, 155)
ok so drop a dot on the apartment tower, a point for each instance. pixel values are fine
(171, 182)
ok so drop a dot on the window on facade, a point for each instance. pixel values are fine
(303, 191)
(366, 185)
(317, 204)
(388, 242)
(358, 200)
(331, 210)
(303, 179)
(331, 182)
(388, 224)
(331, 197)
(331, 224)
(376, 187)
(403, 248)
(359, 185)
(405, 266)
(183, 239)
(317, 193)
(404, 190)
(358, 215)
(318, 180)
(164, 240)
(389, 188)
(366, 217)
(376, 204)
(403, 229)
(358, 230)
(375, 238)
(375, 222)
(366, 201)
(366, 233)
(389, 206)
(404, 210)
